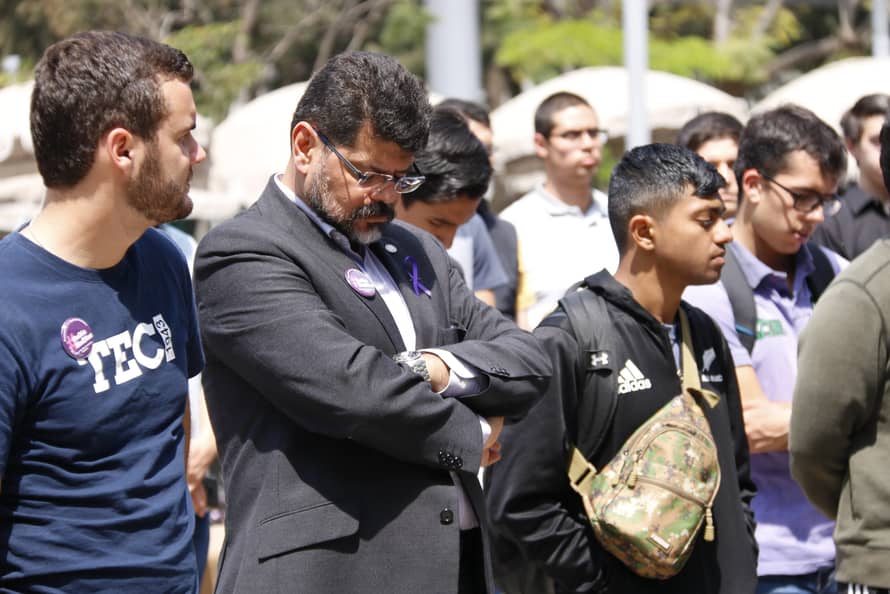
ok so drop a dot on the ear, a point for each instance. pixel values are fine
(752, 183)
(120, 147)
(303, 141)
(641, 231)
(541, 145)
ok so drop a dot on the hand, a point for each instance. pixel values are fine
(766, 425)
(199, 498)
(491, 449)
(439, 372)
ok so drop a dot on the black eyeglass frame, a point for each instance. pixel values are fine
(807, 203)
(403, 184)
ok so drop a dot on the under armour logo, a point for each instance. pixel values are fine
(598, 359)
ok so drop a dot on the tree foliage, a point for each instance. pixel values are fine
(244, 47)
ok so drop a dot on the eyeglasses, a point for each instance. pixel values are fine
(810, 201)
(599, 135)
(403, 184)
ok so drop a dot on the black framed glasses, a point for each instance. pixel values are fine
(403, 184)
(810, 201)
(597, 134)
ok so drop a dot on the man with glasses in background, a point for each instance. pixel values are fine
(354, 383)
(788, 169)
(563, 223)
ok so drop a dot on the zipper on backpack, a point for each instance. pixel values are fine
(708, 516)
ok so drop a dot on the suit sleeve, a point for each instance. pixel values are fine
(262, 317)
(842, 359)
(517, 367)
(529, 497)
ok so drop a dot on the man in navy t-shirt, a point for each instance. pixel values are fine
(98, 333)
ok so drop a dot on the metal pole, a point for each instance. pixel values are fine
(453, 55)
(880, 42)
(634, 20)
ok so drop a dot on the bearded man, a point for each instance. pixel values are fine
(98, 330)
(354, 383)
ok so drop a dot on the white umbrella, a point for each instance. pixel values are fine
(831, 90)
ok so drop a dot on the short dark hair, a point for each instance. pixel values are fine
(355, 88)
(468, 109)
(454, 161)
(711, 125)
(885, 153)
(89, 83)
(549, 108)
(865, 107)
(651, 178)
(770, 136)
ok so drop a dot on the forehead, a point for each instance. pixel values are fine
(575, 117)
(871, 126)
(719, 149)
(373, 152)
(802, 170)
(457, 211)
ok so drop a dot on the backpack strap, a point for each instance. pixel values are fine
(741, 298)
(589, 319)
(823, 273)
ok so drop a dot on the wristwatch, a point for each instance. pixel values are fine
(414, 361)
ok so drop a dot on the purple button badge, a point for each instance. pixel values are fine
(360, 282)
(77, 338)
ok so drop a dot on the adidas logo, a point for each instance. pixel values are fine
(631, 379)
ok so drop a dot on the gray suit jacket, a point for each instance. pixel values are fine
(336, 460)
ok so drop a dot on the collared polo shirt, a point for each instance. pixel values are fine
(559, 245)
(794, 537)
(861, 221)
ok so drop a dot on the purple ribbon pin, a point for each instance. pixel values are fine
(360, 282)
(77, 338)
(411, 267)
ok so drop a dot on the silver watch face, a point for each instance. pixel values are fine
(414, 361)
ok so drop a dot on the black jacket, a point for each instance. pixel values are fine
(539, 522)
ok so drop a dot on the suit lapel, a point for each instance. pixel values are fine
(325, 250)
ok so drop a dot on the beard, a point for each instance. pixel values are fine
(320, 198)
(157, 198)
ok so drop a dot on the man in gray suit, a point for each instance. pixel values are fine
(349, 456)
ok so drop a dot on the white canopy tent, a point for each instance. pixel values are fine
(15, 129)
(252, 143)
(831, 90)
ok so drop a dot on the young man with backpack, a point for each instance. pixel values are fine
(788, 169)
(613, 372)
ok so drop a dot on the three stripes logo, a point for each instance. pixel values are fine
(631, 379)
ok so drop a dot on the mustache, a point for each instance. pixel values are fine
(375, 209)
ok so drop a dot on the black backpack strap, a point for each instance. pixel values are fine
(590, 320)
(822, 275)
(741, 298)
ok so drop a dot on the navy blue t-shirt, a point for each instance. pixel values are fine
(94, 369)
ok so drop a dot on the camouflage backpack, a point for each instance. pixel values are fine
(648, 504)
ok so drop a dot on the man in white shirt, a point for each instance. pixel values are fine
(562, 224)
